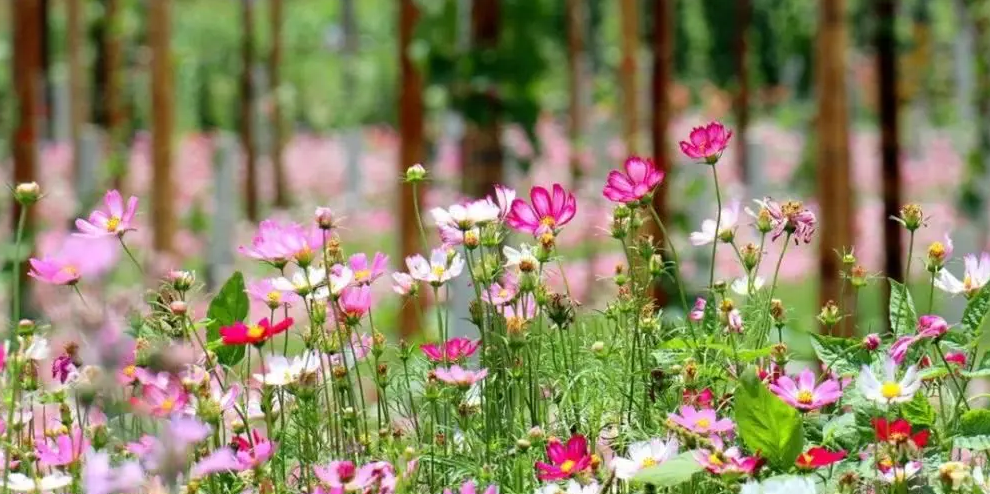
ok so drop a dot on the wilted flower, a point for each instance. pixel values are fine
(790, 217)
(707, 143)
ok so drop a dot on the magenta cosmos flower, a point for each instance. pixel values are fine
(547, 213)
(459, 376)
(638, 181)
(115, 221)
(703, 421)
(803, 394)
(565, 461)
(452, 350)
(707, 143)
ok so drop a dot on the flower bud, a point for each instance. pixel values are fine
(777, 311)
(858, 276)
(560, 309)
(750, 254)
(829, 315)
(871, 342)
(727, 235)
(937, 254)
(178, 307)
(471, 239)
(324, 218)
(911, 217)
(621, 212)
(763, 221)
(182, 280)
(523, 444)
(656, 265)
(27, 193)
(598, 347)
(535, 433)
(26, 327)
(415, 173)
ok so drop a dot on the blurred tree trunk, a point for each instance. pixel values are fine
(162, 196)
(482, 148)
(663, 74)
(28, 80)
(628, 73)
(278, 125)
(744, 11)
(575, 62)
(77, 92)
(47, 84)
(980, 158)
(887, 92)
(247, 109)
(106, 91)
(834, 190)
(411, 151)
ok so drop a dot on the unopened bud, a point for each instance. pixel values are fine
(26, 327)
(415, 173)
(911, 217)
(937, 254)
(522, 444)
(656, 265)
(324, 218)
(871, 341)
(777, 311)
(27, 193)
(763, 221)
(858, 276)
(178, 307)
(598, 347)
(829, 315)
(750, 254)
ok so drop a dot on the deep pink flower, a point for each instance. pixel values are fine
(707, 143)
(871, 341)
(703, 421)
(958, 358)
(340, 477)
(803, 394)
(453, 350)
(54, 271)
(470, 488)
(565, 461)
(355, 302)
(365, 273)
(931, 326)
(721, 461)
(63, 368)
(641, 176)
(546, 213)
(62, 449)
(114, 222)
(698, 311)
(253, 456)
(459, 376)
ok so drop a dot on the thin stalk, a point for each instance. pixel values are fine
(16, 310)
(130, 255)
(718, 224)
(677, 269)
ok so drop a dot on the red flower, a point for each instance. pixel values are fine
(242, 334)
(698, 399)
(567, 460)
(899, 432)
(817, 457)
(958, 358)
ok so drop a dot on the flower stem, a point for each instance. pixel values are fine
(131, 255)
(419, 217)
(773, 285)
(677, 267)
(16, 309)
(718, 224)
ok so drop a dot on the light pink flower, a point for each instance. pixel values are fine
(469, 488)
(703, 421)
(278, 244)
(721, 461)
(976, 274)
(162, 401)
(355, 301)
(76, 258)
(501, 293)
(707, 143)
(365, 273)
(61, 450)
(790, 217)
(504, 197)
(546, 213)
(114, 222)
(458, 376)
(263, 291)
(403, 283)
(803, 394)
(641, 176)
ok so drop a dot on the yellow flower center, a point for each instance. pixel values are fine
(70, 270)
(936, 249)
(806, 458)
(648, 462)
(113, 223)
(439, 271)
(362, 275)
(890, 390)
(968, 282)
(274, 297)
(129, 371)
(714, 459)
(703, 423)
(503, 293)
(255, 331)
(567, 466)
(548, 221)
(805, 397)
(168, 405)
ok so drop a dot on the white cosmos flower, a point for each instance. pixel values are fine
(890, 390)
(573, 487)
(18, 482)
(524, 258)
(302, 281)
(741, 285)
(283, 372)
(897, 474)
(38, 349)
(976, 274)
(707, 235)
(438, 270)
(465, 216)
(781, 485)
(642, 455)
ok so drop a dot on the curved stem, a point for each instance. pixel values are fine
(419, 217)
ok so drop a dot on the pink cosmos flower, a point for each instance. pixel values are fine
(721, 461)
(958, 358)
(703, 421)
(640, 178)
(76, 258)
(63, 368)
(501, 293)
(278, 244)
(791, 217)
(931, 326)
(99, 477)
(698, 311)
(466, 216)
(253, 456)
(61, 450)
(565, 461)
(403, 284)
(339, 477)
(452, 237)
(461, 377)
(355, 302)
(54, 271)
(504, 197)
(453, 350)
(871, 341)
(440, 269)
(734, 321)
(263, 291)
(469, 488)
(162, 401)
(707, 143)
(364, 273)
(114, 222)
(546, 213)
(803, 394)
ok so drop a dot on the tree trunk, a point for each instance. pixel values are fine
(742, 96)
(47, 85)
(482, 147)
(410, 151)
(663, 72)
(628, 73)
(247, 109)
(980, 11)
(162, 196)
(575, 63)
(278, 126)
(887, 92)
(834, 189)
(77, 93)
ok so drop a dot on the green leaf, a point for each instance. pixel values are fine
(766, 424)
(227, 307)
(933, 373)
(975, 423)
(975, 373)
(903, 316)
(845, 356)
(975, 443)
(672, 472)
(976, 310)
(841, 430)
(919, 411)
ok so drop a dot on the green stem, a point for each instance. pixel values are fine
(419, 217)
(776, 274)
(718, 224)
(16, 309)
(130, 255)
(677, 269)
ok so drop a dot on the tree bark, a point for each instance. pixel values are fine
(887, 92)
(411, 151)
(834, 190)
(482, 148)
(77, 92)
(663, 72)
(629, 13)
(162, 196)
(744, 8)
(575, 62)
(247, 110)
(278, 125)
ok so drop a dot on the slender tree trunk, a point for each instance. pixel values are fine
(162, 196)
(628, 72)
(663, 74)
(482, 147)
(980, 11)
(47, 85)
(77, 92)
(108, 108)
(887, 92)
(247, 109)
(742, 96)
(575, 63)
(411, 150)
(278, 125)
(834, 190)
